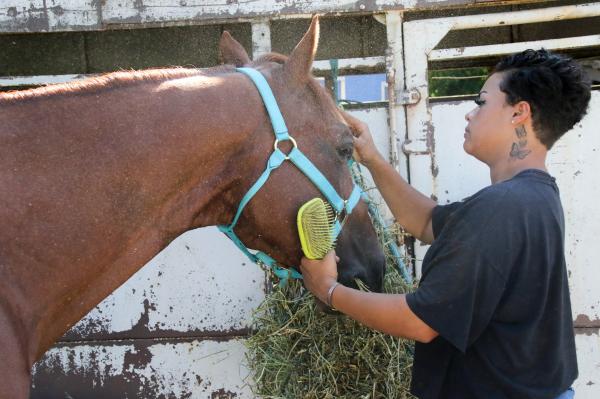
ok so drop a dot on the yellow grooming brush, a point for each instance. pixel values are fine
(315, 228)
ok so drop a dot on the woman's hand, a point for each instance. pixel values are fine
(320, 275)
(365, 151)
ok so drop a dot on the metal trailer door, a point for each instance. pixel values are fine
(440, 168)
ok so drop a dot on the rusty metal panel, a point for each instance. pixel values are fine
(200, 285)
(148, 11)
(574, 161)
(81, 15)
(143, 369)
(46, 16)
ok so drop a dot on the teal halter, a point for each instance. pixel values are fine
(340, 206)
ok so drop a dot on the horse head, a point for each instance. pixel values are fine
(268, 223)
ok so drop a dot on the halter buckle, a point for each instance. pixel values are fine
(287, 158)
(342, 215)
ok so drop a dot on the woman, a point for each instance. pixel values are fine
(492, 314)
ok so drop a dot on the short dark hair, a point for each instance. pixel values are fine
(555, 86)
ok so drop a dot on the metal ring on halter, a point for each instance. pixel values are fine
(293, 142)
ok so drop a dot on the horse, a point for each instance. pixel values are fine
(99, 175)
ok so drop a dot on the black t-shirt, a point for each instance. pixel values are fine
(494, 286)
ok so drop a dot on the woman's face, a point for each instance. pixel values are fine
(490, 132)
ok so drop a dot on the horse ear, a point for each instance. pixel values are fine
(231, 51)
(299, 64)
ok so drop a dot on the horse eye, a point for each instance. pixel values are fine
(345, 151)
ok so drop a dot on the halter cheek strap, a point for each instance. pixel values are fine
(276, 159)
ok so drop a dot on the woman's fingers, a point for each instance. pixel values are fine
(365, 150)
(357, 127)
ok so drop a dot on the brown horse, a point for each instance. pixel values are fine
(98, 176)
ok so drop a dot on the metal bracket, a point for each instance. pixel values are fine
(410, 147)
(408, 97)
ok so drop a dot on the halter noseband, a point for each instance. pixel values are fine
(340, 206)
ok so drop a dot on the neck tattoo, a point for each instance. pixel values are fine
(518, 149)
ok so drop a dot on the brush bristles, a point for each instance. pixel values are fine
(317, 219)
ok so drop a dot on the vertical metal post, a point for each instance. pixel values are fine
(420, 38)
(394, 61)
(396, 81)
(261, 37)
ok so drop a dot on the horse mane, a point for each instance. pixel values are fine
(133, 77)
(108, 81)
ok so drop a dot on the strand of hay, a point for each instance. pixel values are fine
(297, 351)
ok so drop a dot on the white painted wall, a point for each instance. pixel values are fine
(201, 281)
(194, 370)
(588, 359)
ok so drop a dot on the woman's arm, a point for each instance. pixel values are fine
(383, 312)
(411, 209)
(387, 313)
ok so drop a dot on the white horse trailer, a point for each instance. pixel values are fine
(177, 327)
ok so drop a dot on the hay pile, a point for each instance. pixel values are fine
(299, 352)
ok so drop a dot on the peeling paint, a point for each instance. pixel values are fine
(215, 295)
(223, 394)
(58, 10)
(58, 15)
(139, 6)
(148, 329)
(430, 136)
(101, 14)
(195, 369)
